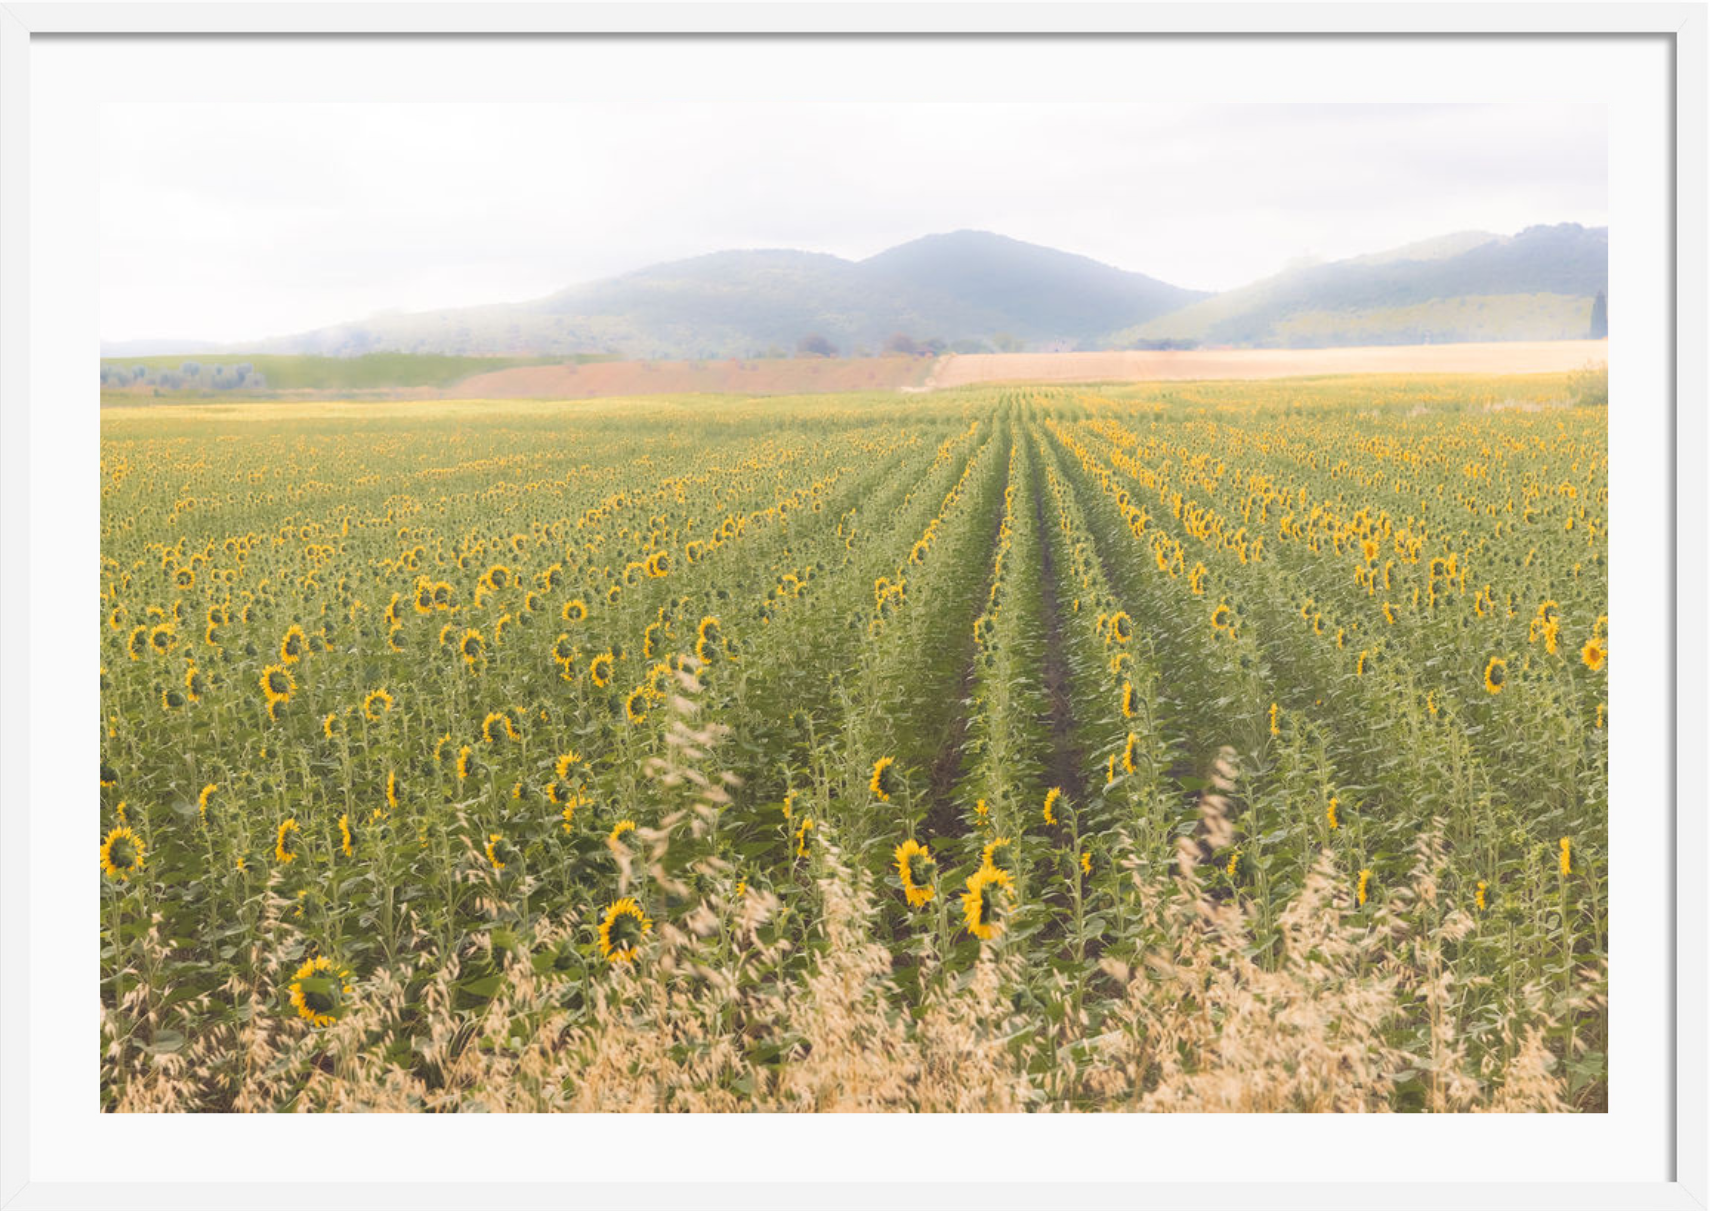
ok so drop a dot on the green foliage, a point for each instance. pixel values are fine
(1238, 637)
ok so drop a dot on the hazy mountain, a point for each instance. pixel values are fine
(1537, 285)
(967, 286)
(974, 289)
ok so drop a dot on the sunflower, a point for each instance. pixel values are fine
(1566, 863)
(1360, 891)
(563, 651)
(622, 927)
(1360, 664)
(802, 831)
(471, 646)
(122, 854)
(619, 829)
(600, 669)
(347, 836)
(914, 868)
(635, 706)
(1495, 674)
(1223, 619)
(499, 852)
(990, 892)
(285, 841)
(1086, 862)
(1276, 712)
(204, 801)
(465, 761)
(292, 647)
(318, 991)
(1330, 812)
(569, 802)
(708, 639)
(163, 638)
(392, 789)
(1129, 700)
(498, 577)
(138, 642)
(575, 610)
(998, 852)
(1121, 627)
(1478, 898)
(277, 685)
(1052, 798)
(498, 723)
(1594, 653)
(376, 704)
(883, 782)
(566, 760)
(329, 725)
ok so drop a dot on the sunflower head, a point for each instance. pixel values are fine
(285, 840)
(986, 902)
(320, 991)
(999, 852)
(122, 854)
(1495, 674)
(622, 927)
(1053, 797)
(1594, 653)
(884, 782)
(914, 867)
(600, 670)
(277, 685)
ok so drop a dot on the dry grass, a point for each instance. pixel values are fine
(1195, 1025)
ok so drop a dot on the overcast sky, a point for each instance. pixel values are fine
(229, 222)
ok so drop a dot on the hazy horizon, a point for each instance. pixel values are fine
(223, 224)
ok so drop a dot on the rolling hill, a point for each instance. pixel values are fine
(965, 286)
(1472, 286)
(973, 291)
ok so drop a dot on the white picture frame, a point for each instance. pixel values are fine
(26, 418)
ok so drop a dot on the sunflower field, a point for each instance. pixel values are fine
(1151, 747)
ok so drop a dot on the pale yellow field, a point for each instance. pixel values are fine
(1506, 357)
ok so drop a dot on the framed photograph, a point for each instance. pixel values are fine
(983, 582)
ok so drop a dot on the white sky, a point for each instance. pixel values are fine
(225, 222)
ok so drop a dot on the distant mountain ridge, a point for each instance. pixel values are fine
(1536, 285)
(973, 290)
